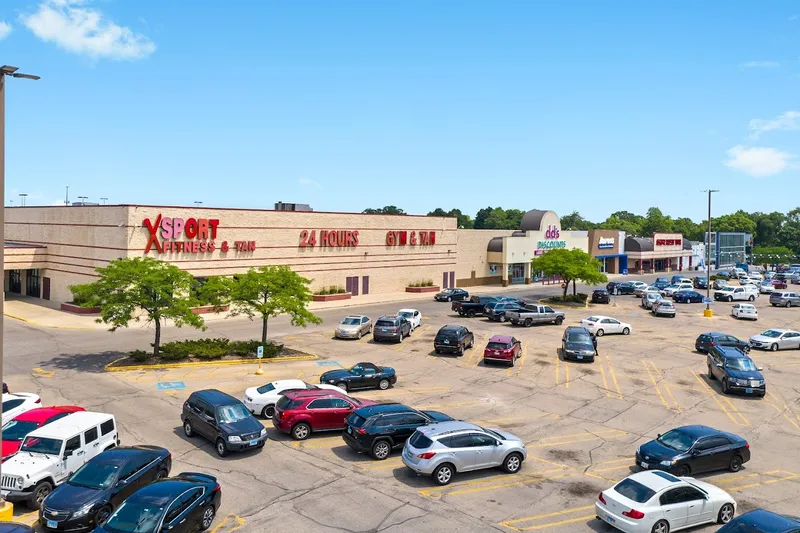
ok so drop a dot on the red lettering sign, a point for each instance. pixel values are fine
(413, 238)
(668, 242)
(329, 238)
(198, 232)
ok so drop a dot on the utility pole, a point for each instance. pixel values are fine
(103, 200)
(83, 199)
(22, 197)
(708, 312)
(198, 203)
(66, 198)
(6, 508)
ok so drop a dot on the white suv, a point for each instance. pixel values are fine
(50, 454)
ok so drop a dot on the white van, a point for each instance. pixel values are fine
(50, 454)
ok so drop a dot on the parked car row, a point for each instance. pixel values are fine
(390, 327)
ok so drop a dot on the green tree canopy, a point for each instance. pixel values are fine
(132, 287)
(462, 220)
(574, 221)
(271, 291)
(734, 222)
(387, 210)
(570, 265)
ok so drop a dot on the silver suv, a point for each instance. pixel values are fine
(441, 450)
(784, 298)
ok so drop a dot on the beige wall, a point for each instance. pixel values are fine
(473, 259)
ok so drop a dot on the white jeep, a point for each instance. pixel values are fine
(50, 454)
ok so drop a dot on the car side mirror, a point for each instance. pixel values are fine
(122, 482)
(68, 453)
(497, 443)
(695, 453)
(719, 365)
(760, 368)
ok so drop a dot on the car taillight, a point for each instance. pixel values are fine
(633, 513)
(426, 455)
(747, 445)
(361, 431)
(39, 400)
(217, 488)
(601, 498)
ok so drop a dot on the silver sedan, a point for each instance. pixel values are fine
(353, 327)
(776, 339)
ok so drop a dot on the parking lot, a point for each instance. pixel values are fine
(582, 422)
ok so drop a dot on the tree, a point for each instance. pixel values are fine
(772, 254)
(768, 225)
(128, 286)
(570, 265)
(387, 210)
(574, 221)
(270, 291)
(689, 229)
(481, 216)
(656, 221)
(628, 226)
(734, 222)
(789, 234)
(462, 220)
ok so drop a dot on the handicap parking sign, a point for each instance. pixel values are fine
(624, 271)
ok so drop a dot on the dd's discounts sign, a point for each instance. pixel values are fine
(189, 236)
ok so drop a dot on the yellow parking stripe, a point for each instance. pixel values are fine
(712, 394)
(776, 404)
(578, 438)
(510, 523)
(520, 362)
(613, 375)
(483, 485)
(656, 377)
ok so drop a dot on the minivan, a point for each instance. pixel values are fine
(784, 298)
(223, 420)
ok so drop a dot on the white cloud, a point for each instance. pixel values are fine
(787, 122)
(5, 29)
(757, 161)
(794, 17)
(760, 64)
(309, 183)
(83, 30)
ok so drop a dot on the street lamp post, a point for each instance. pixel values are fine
(198, 203)
(22, 197)
(708, 312)
(6, 509)
(103, 200)
(83, 199)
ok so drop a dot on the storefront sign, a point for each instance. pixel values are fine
(329, 238)
(668, 242)
(552, 232)
(413, 238)
(543, 246)
(605, 242)
(196, 236)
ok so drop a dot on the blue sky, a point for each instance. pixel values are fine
(595, 106)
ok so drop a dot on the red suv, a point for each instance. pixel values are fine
(502, 349)
(301, 412)
(15, 431)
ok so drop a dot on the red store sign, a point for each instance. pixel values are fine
(329, 238)
(191, 236)
(414, 238)
(668, 242)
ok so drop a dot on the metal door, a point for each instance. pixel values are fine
(45, 288)
(32, 287)
(14, 281)
(444, 280)
(354, 283)
(452, 279)
(364, 284)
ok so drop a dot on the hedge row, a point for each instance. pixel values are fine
(208, 349)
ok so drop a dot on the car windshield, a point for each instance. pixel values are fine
(351, 321)
(95, 476)
(42, 445)
(228, 414)
(498, 346)
(677, 440)
(132, 517)
(265, 388)
(406, 314)
(17, 430)
(592, 319)
(771, 333)
(578, 338)
(494, 434)
(740, 363)
(666, 304)
(633, 490)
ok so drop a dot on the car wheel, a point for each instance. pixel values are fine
(724, 385)
(161, 474)
(102, 515)
(401, 337)
(222, 450)
(626, 331)
(752, 297)
(559, 320)
(502, 318)
(436, 351)
(342, 385)
(528, 322)
(383, 384)
(470, 314)
(381, 450)
(268, 411)
(788, 304)
(600, 333)
(730, 298)
(683, 471)
(460, 350)
(188, 430)
(444, 474)
(512, 463)
(746, 349)
(208, 518)
(710, 374)
(773, 347)
(360, 335)
(725, 514)
(774, 305)
(449, 299)
(736, 464)
(41, 491)
(301, 431)
(662, 526)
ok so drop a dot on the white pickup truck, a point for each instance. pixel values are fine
(535, 314)
(746, 293)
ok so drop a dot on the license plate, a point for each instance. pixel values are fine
(383, 329)
(349, 430)
(610, 519)
(254, 442)
(749, 391)
(52, 524)
(580, 357)
(446, 341)
(645, 465)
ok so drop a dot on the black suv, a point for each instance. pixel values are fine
(393, 328)
(735, 371)
(700, 282)
(708, 340)
(496, 311)
(379, 428)
(600, 296)
(578, 343)
(450, 295)
(223, 420)
(453, 339)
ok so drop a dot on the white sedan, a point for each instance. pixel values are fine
(658, 502)
(413, 316)
(744, 311)
(18, 403)
(262, 400)
(602, 325)
(766, 287)
(672, 289)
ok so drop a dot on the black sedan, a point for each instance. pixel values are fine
(14, 527)
(626, 287)
(688, 297)
(700, 282)
(713, 338)
(361, 376)
(688, 450)
(92, 493)
(451, 295)
(762, 521)
(182, 504)
(600, 296)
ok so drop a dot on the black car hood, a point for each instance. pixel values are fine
(335, 374)
(69, 497)
(654, 452)
(744, 374)
(577, 347)
(245, 425)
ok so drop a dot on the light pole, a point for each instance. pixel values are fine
(6, 509)
(22, 197)
(66, 198)
(83, 199)
(103, 200)
(708, 312)
(198, 203)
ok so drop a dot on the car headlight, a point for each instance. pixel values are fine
(234, 438)
(82, 511)
(667, 463)
(737, 381)
(264, 432)
(20, 483)
(331, 381)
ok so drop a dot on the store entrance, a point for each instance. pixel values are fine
(15, 281)
(518, 273)
(33, 285)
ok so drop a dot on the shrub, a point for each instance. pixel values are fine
(716, 277)
(200, 348)
(140, 355)
(340, 289)
(579, 298)
(421, 283)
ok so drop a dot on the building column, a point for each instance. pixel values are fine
(504, 275)
(528, 273)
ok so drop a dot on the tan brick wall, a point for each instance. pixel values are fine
(472, 255)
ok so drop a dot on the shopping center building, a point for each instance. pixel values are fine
(47, 249)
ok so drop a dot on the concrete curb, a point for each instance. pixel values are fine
(37, 324)
(160, 366)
